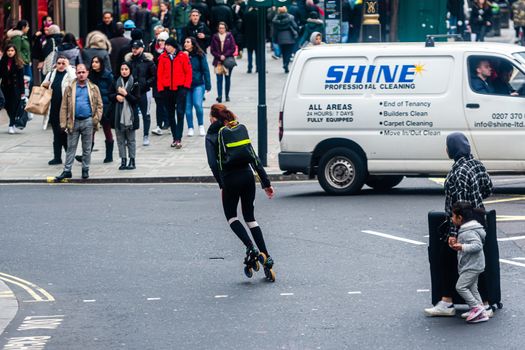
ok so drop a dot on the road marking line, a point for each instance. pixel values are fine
(152, 299)
(89, 301)
(384, 235)
(46, 294)
(511, 238)
(24, 287)
(510, 262)
(502, 218)
(356, 292)
(513, 199)
(221, 296)
(438, 180)
(423, 290)
(518, 258)
(286, 294)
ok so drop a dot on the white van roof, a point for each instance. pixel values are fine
(414, 48)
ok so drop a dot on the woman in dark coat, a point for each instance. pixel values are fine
(222, 49)
(12, 76)
(285, 33)
(249, 28)
(480, 19)
(101, 76)
(124, 95)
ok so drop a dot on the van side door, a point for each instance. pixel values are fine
(494, 105)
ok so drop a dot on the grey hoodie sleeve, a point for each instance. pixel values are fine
(472, 242)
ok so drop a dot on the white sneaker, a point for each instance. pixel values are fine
(202, 132)
(11, 130)
(157, 131)
(190, 132)
(145, 142)
(488, 311)
(441, 309)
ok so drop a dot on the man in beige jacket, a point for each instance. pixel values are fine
(80, 114)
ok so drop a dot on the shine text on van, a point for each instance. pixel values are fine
(365, 77)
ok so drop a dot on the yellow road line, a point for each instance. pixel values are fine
(438, 180)
(509, 218)
(23, 286)
(45, 293)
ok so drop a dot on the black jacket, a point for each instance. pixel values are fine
(200, 72)
(194, 30)
(143, 69)
(109, 30)
(133, 97)
(52, 42)
(12, 80)
(480, 86)
(249, 29)
(212, 150)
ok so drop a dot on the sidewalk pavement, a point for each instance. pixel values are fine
(8, 306)
(24, 156)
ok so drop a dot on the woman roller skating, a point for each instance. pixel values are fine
(231, 158)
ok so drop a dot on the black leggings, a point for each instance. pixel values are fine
(241, 185)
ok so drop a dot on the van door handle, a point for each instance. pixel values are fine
(472, 105)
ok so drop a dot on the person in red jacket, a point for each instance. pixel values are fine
(173, 81)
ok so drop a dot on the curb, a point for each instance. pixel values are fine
(8, 306)
(160, 179)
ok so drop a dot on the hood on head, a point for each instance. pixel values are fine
(98, 40)
(457, 146)
(313, 36)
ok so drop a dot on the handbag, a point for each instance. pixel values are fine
(230, 62)
(39, 100)
(219, 69)
(21, 116)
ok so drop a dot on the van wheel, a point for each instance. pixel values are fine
(341, 171)
(383, 182)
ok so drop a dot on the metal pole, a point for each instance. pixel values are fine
(371, 27)
(261, 68)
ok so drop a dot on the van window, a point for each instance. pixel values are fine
(385, 75)
(495, 76)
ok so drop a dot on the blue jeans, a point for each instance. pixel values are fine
(194, 98)
(227, 84)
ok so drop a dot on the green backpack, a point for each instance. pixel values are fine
(235, 147)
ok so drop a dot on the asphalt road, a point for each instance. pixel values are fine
(156, 267)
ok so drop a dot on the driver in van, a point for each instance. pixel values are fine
(480, 82)
(501, 83)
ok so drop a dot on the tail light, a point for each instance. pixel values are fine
(280, 126)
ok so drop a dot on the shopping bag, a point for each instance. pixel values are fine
(21, 116)
(39, 100)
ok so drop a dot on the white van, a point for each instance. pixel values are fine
(374, 113)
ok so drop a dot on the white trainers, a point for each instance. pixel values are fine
(145, 141)
(190, 132)
(441, 309)
(202, 132)
(11, 130)
(157, 131)
(488, 311)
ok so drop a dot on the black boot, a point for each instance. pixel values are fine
(109, 152)
(57, 153)
(85, 174)
(131, 164)
(64, 175)
(122, 164)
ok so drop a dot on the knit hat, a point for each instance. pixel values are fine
(53, 29)
(163, 36)
(137, 34)
(172, 42)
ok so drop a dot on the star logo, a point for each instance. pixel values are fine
(419, 68)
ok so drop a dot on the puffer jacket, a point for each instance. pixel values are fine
(97, 44)
(143, 69)
(171, 74)
(22, 44)
(285, 29)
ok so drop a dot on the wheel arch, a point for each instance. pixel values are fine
(328, 144)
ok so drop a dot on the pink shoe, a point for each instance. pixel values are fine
(482, 317)
(475, 312)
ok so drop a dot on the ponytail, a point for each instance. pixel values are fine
(468, 212)
(223, 114)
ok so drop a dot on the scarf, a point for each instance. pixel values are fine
(126, 115)
(222, 38)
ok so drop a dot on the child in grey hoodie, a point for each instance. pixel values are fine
(471, 259)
